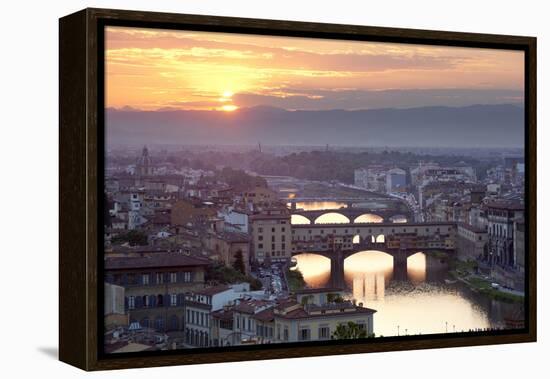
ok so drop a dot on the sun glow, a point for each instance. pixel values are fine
(229, 108)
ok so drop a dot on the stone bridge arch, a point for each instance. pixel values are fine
(343, 219)
(298, 219)
(368, 217)
(398, 219)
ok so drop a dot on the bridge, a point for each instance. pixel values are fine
(340, 241)
(353, 213)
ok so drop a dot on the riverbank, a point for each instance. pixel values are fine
(466, 272)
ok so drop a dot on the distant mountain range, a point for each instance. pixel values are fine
(471, 126)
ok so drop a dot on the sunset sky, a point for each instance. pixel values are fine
(152, 69)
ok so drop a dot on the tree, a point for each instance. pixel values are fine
(335, 298)
(238, 264)
(351, 330)
(133, 237)
(307, 300)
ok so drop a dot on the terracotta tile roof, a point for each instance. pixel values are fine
(209, 291)
(158, 260)
(506, 205)
(223, 314)
(266, 315)
(250, 306)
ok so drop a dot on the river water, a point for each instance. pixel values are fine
(423, 302)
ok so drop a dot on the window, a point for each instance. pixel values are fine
(145, 279)
(272, 230)
(131, 302)
(173, 277)
(260, 230)
(159, 278)
(286, 333)
(272, 238)
(305, 334)
(282, 229)
(260, 246)
(187, 276)
(283, 238)
(173, 300)
(324, 332)
(260, 238)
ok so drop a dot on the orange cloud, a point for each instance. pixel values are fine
(152, 69)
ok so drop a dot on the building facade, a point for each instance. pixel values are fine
(155, 286)
(271, 235)
(471, 242)
(501, 217)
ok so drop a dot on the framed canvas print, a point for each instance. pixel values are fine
(238, 189)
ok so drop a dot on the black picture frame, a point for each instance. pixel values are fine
(81, 152)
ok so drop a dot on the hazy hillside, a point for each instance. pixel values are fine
(476, 126)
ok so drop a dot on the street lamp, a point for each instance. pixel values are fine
(398, 330)
(446, 331)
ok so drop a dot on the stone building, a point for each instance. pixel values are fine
(259, 197)
(471, 242)
(271, 235)
(295, 323)
(115, 314)
(225, 247)
(155, 286)
(519, 244)
(501, 216)
(186, 212)
(199, 306)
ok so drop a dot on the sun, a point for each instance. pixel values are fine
(229, 108)
(227, 94)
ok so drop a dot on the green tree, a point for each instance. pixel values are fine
(334, 298)
(238, 264)
(351, 330)
(133, 237)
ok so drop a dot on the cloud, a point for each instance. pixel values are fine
(365, 99)
(175, 66)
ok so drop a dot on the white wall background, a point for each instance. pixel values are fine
(28, 159)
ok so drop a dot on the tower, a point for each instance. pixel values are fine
(144, 165)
